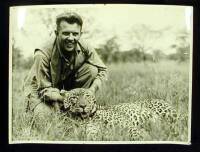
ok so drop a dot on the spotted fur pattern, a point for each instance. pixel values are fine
(128, 117)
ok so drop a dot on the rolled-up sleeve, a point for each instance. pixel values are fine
(39, 75)
(42, 70)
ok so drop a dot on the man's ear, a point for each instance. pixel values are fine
(56, 32)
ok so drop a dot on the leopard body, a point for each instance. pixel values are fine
(124, 117)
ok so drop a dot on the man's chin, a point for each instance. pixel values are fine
(69, 49)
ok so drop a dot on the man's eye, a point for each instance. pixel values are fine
(75, 34)
(66, 33)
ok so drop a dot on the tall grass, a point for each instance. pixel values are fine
(128, 82)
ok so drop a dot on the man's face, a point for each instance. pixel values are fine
(68, 35)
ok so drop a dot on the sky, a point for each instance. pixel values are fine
(26, 24)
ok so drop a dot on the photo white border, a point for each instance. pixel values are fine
(96, 142)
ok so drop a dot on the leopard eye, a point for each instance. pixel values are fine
(73, 98)
(87, 95)
(66, 104)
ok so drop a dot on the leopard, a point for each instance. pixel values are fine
(81, 104)
(78, 103)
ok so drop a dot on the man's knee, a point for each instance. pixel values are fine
(92, 71)
(88, 70)
(85, 76)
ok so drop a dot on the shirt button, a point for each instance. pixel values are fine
(71, 67)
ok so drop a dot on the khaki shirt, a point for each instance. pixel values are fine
(47, 67)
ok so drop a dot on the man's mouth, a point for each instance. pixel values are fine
(70, 44)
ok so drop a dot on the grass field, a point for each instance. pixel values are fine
(128, 82)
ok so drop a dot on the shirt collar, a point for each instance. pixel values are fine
(78, 48)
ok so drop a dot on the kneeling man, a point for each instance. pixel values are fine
(64, 62)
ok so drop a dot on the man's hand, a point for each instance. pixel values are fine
(51, 94)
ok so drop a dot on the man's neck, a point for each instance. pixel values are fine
(68, 55)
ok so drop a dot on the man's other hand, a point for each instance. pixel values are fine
(51, 94)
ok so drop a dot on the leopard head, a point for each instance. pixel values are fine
(79, 103)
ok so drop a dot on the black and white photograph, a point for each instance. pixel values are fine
(100, 74)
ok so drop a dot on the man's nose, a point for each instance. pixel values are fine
(71, 37)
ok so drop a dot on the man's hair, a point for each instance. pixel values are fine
(70, 17)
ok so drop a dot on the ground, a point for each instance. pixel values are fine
(128, 82)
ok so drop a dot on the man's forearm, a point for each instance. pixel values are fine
(101, 78)
(96, 85)
(60, 99)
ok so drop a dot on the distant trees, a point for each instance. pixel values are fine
(182, 46)
(108, 50)
(157, 55)
(133, 55)
(143, 40)
(16, 57)
(18, 60)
